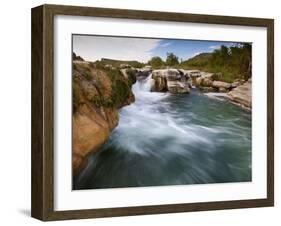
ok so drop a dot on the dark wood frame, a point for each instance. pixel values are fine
(42, 203)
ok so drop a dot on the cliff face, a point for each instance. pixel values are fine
(97, 96)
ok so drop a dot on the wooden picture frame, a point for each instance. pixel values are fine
(42, 205)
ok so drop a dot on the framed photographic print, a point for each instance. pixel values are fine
(141, 112)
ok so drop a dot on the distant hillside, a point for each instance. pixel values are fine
(233, 62)
(200, 60)
(117, 63)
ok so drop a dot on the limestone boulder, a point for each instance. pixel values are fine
(206, 82)
(242, 94)
(172, 80)
(177, 87)
(220, 84)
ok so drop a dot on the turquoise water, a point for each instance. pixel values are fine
(165, 139)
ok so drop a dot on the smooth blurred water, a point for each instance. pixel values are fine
(165, 139)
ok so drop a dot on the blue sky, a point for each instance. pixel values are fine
(186, 49)
(93, 48)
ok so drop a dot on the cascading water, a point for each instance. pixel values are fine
(165, 139)
(144, 85)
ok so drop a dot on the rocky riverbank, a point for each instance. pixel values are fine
(98, 93)
(178, 81)
(242, 94)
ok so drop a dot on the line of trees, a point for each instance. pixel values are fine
(239, 56)
(233, 62)
(157, 62)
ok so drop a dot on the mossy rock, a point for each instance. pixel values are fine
(102, 88)
(132, 78)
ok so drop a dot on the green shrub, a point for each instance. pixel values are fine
(156, 62)
(131, 76)
(120, 92)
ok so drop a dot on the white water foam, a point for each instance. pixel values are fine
(150, 118)
(217, 96)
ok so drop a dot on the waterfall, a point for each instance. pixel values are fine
(145, 85)
(144, 95)
(148, 83)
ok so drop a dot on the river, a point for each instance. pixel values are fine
(168, 139)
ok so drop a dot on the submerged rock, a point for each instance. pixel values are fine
(207, 89)
(177, 87)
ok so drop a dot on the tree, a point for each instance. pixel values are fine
(156, 62)
(221, 56)
(172, 59)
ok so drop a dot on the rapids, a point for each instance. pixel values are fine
(168, 139)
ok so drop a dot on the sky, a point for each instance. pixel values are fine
(93, 48)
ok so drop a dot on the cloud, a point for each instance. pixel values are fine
(94, 48)
(165, 44)
(215, 47)
(195, 54)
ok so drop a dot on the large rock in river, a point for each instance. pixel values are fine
(204, 79)
(97, 96)
(242, 94)
(220, 84)
(172, 80)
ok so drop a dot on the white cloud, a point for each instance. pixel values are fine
(94, 48)
(215, 47)
(166, 44)
(192, 55)
(195, 54)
